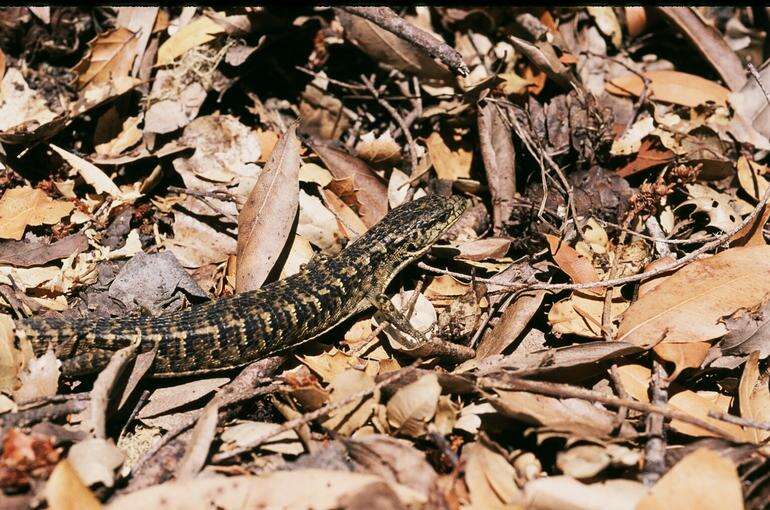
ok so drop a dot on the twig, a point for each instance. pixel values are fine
(399, 120)
(617, 281)
(311, 416)
(352, 86)
(567, 391)
(736, 420)
(385, 18)
(655, 447)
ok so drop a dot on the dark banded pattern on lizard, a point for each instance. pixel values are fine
(243, 328)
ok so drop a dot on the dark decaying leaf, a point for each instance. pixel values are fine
(499, 154)
(26, 254)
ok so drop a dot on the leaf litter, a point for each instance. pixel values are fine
(597, 322)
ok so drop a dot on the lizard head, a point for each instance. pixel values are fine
(416, 225)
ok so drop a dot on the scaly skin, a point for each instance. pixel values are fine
(240, 329)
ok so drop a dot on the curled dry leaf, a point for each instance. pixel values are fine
(688, 306)
(39, 379)
(699, 405)
(245, 433)
(111, 55)
(751, 177)
(703, 479)
(26, 254)
(584, 461)
(25, 206)
(21, 108)
(414, 405)
(576, 417)
(265, 220)
(709, 42)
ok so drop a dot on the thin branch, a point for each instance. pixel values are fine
(385, 18)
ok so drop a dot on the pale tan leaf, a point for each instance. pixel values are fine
(173, 397)
(671, 87)
(688, 305)
(449, 164)
(578, 268)
(350, 417)
(413, 405)
(265, 220)
(703, 479)
(636, 381)
(564, 492)
(245, 433)
(95, 461)
(302, 488)
(22, 207)
(195, 33)
(65, 491)
(89, 172)
(20, 105)
(490, 478)
(698, 405)
(754, 398)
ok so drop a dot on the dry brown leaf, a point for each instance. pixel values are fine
(490, 478)
(22, 207)
(266, 218)
(709, 42)
(350, 417)
(26, 254)
(111, 55)
(449, 164)
(581, 313)
(196, 33)
(2, 65)
(244, 433)
(39, 379)
(95, 461)
(499, 155)
(584, 461)
(302, 488)
(688, 305)
(751, 177)
(671, 87)
(483, 249)
(11, 358)
(511, 324)
(414, 405)
(318, 224)
(564, 492)
(352, 225)
(369, 193)
(21, 108)
(699, 405)
(683, 355)
(300, 252)
(703, 479)
(382, 150)
(754, 398)
(389, 49)
(577, 267)
(173, 397)
(129, 135)
(65, 491)
(636, 381)
(574, 416)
